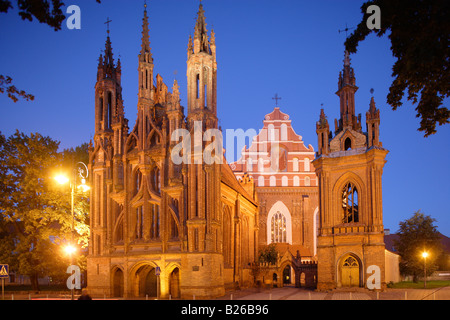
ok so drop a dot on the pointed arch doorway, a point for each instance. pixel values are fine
(118, 283)
(350, 269)
(146, 282)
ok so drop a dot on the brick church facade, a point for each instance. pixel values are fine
(193, 229)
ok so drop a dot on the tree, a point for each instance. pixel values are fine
(36, 214)
(48, 12)
(269, 254)
(416, 235)
(419, 40)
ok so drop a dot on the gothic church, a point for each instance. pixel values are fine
(161, 229)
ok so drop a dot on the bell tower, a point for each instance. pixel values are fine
(203, 177)
(202, 74)
(349, 167)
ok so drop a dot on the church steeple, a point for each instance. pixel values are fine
(202, 74)
(346, 92)
(146, 65)
(201, 42)
(108, 90)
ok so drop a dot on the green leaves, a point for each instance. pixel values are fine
(416, 235)
(36, 213)
(419, 40)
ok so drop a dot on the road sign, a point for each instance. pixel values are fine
(4, 271)
(158, 271)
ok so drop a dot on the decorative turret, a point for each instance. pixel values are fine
(323, 133)
(373, 125)
(202, 75)
(146, 65)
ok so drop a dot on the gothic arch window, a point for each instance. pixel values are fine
(284, 181)
(137, 182)
(284, 135)
(156, 180)
(227, 236)
(198, 85)
(139, 222)
(155, 221)
(279, 224)
(109, 111)
(348, 144)
(296, 181)
(278, 228)
(350, 210)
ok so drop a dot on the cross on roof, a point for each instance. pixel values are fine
(107, 23)
(276, 98)
(346, 29)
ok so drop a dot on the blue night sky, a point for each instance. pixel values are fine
(289, 47)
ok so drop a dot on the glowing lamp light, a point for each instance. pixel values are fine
(424, 254)
(61, 179)
(70, 249)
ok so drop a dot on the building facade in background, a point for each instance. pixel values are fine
(162, 228)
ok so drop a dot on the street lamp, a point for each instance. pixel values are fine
(82, 172)
(424, 256)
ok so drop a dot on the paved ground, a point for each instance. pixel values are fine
(289, 293)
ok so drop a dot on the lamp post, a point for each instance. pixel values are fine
(82, 172)
(425, 255)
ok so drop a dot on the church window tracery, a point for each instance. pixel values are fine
(350, 203)
(278, 228)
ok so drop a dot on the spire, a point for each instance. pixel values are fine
(106, 66)
(201, 42)
(347, 77)
(109, 60)
(145, 54)
(346, 92)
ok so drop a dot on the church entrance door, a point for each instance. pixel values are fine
(147, 281)
(175, 283)
(118, 283)
(350, 272)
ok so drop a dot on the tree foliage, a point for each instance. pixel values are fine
(45, 11)
(416, 235)
(36, 219)
(419, 35)
(269, 254)
(14, 94)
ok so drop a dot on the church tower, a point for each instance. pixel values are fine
(111, 129)
(202, 75)
(349, 167)
(203, 177)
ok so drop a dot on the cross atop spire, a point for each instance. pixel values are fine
(276, 98)
(108, 21)
(346, 30)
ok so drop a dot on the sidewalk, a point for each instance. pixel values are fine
(290, 293)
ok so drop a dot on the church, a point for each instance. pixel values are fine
(165, 229)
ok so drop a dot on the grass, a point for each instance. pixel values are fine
(419, 285)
